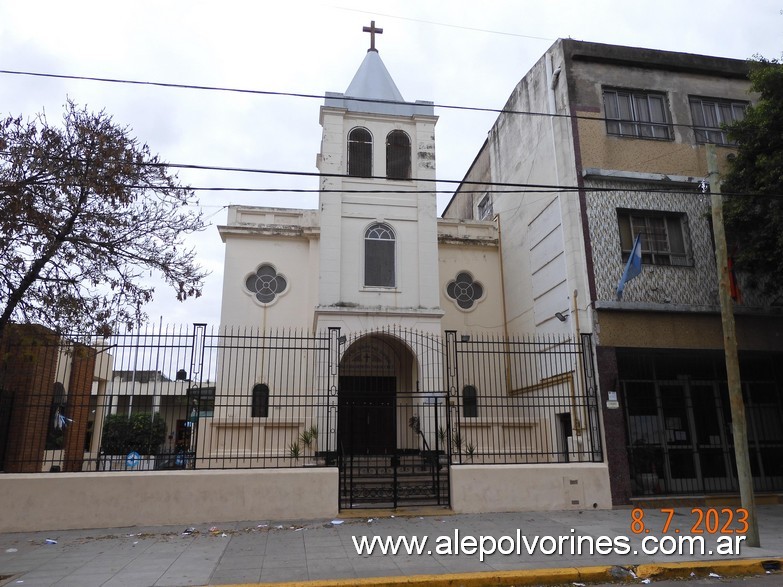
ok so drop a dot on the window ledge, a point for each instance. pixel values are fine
(622, 175)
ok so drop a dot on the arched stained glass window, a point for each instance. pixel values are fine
(379, 252)
(360, 153)
(398, 155)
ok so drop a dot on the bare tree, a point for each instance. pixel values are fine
(86, 214)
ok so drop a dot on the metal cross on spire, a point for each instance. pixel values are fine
(372, 30)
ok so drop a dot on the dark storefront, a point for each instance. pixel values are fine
(677, 419)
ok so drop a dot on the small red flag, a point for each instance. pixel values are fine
(734, 289)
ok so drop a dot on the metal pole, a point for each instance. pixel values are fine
(739, 424)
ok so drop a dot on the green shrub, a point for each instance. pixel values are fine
(143, 433)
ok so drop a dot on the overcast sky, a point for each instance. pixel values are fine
(450, 52)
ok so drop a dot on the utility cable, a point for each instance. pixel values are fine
(340, 96)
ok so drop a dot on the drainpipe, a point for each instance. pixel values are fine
(503, 306)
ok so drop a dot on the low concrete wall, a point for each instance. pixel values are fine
(509, 488)
(60, 501)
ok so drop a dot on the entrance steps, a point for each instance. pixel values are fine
(389, 481)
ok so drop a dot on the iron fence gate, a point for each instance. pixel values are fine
(393, 450)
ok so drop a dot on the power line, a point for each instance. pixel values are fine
(443, 24)
(323, 97)
(483, 186)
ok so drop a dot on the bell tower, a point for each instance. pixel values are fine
(378, 242)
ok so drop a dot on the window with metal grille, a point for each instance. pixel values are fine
(260, 401)
(379, 262)
(360, 153)
(484, 209)
(637, 113)
(469, 402)
(398, 155)
(664, 236)
(711, 114)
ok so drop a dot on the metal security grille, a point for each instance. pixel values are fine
(392, 408)
(522, 400)
(679, 427)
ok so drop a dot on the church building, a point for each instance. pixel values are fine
(423, 372)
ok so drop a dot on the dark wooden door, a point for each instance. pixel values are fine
(366, 416)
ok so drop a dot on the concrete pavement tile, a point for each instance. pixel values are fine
(247, 545)
(362, 569)
(316, 553)
(98, 570)
(202, 571)
(240, 562)
(56, 566)
(461, 564)
(187, 560)
(112, 559)
(228, 576)
(246, 550)
(284, 574)
(133, 579)
(39, 578)
(160, 569)
(84, 580)
(323, 540)
(283, 562)
(328, 569)
(415, 566)
(35, 583)
(180, 579)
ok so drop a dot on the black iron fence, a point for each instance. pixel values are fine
(194, 397)
(522, 400)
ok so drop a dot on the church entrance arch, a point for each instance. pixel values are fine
(373, 369)
(384, 421)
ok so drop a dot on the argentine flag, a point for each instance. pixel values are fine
(633, 267)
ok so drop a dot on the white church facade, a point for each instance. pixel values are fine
(411, 311)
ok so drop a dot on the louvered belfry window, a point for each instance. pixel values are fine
(398, 155)
(360, 153)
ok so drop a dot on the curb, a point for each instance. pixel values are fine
(729, 568)
(553, 576)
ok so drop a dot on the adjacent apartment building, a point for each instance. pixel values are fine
(596, 145)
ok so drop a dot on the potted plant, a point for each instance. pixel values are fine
(470, 451)
(294, 450)
(308, 439)
(443, 445)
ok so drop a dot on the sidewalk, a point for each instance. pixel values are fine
(276, 551)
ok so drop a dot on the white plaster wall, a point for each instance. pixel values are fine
(483, 263)
(147, 498)
(293, 254)
(366, 320)
(511, 488)
(542, 246)
(346, 216)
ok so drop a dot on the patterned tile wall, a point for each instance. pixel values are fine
(692, 285)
